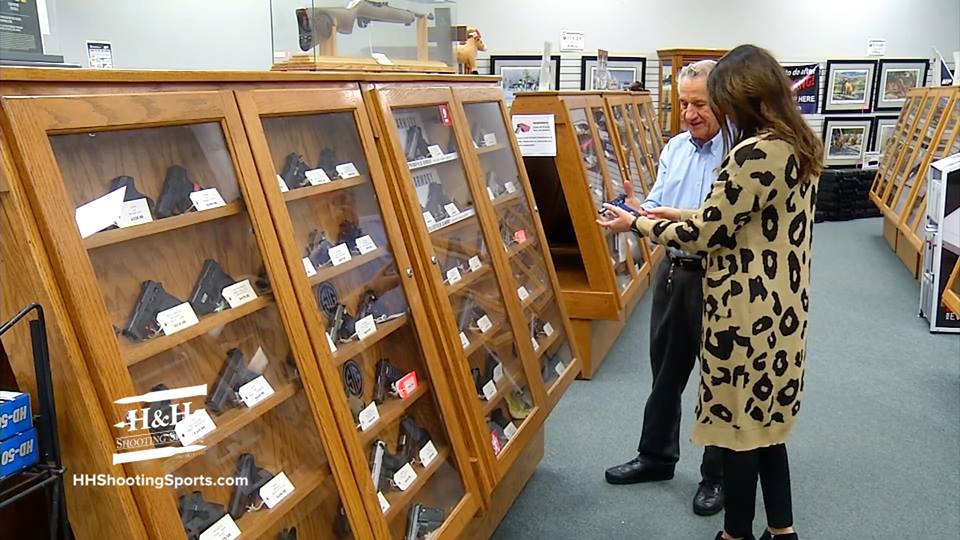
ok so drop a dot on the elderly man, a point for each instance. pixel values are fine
(688, 167)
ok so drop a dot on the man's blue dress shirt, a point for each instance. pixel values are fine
(686, 172)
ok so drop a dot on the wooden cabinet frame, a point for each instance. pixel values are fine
(672, 124)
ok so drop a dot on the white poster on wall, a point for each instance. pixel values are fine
(100, 54)
(571, 41)
(876, 47)
(536, 134)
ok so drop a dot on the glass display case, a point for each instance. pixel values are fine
(671, 62)
(945, 143)
(951, 293)
(905, 123)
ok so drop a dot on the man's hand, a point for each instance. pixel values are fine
(631, 199)
(615, 219)
(663, 212)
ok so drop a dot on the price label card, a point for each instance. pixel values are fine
(536, 346)
(283, 185)
(239, 294)
(559, 368)
(407, 385)
(523, 293)
(224, 529)
(339, 254)
(464, 341)
(428, 453)
(490, 194)
(498, 373)
(428, 219)
(510, 430)
(435, 151)
(206, 199)
(192, 428)
(453, 275)
(365, 244)
(520, 236)
(489, 139)
(134, 213)
(489, 390)
(475, 263)
(255, 391)
(347, 170)
(276, 489)
(368, 416)
(484, 323)
(366, 327)
(548, 329)
(510, 187)
(384, 505)
(100, 213)
(451, 210)
(317, 177)
(333, 347)
(177, 318)
(404, 477)
(308, 266)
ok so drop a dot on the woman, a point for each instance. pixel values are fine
(754, 231)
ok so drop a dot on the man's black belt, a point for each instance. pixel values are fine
(686, 262)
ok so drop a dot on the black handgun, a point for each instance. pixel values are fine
(233, 375)
(198, 514)
(496, 187)
(142, 323)
(244, 496)
(207, 294)
(349, 232)
(342, 326)
(175, 194)
(328, 162)
(162, 431)
(412, 438)
(422, 520)
(288, 534)
(318, 248)
(369, 304)
(416, 146)
(387, 376)
(436, 201)
(131, 194)
(294, 172)
(383, 465)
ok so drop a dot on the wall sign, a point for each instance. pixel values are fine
(100, 54)
(571, 41)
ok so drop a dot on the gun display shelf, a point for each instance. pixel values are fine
(928, 129)
(671, 62)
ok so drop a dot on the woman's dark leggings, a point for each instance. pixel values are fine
(740, 472)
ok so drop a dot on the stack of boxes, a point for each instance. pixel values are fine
(18, 437)
(843, 194)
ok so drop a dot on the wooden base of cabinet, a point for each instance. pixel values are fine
(909, 254)
(595, 339)
(890, 232)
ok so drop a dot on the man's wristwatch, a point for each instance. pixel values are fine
(634, 228)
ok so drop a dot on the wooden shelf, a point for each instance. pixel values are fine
(329, 272)
(135, 353)
(516, 249)
(507, 199)
(333, 185)
(233, 421)
(255, 524)
(347, 351)
(426, 162)
(465, 282)
(115, 236)
(481, 150)
(478, 338)
(545, 345)
(399, 500)
(489, 406)
(391, 411)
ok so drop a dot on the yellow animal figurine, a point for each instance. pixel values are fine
(467, 52)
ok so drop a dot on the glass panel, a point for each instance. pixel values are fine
(925, 142)
(464, 260)
(351, 268)
(952, 118)
(666, 95)
(588, 152)
(642, 142)
(896, 143)
(911, 143)
(616, 243)
(186, 292)
(539, 301)
(628, 145)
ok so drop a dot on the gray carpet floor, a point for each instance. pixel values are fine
(875, 453)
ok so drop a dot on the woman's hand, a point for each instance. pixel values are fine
(664, 212)
(615, 219)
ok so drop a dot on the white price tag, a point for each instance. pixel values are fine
(427, 454)
(489, 139)
(490, 194)
(523, 293)
(339, 254)
(192, 428)
(382, 59)
(239, 294)
(453, 275)
(134, 213)
(510, 430)
(333, 347)
(464, 341)
(255, 391)
(365, 244)
(489, 390)
(428, 219)
(177, 318)
(484, 323)
(404, 477)
(451, 209)
(308, 266)
(384, 505)
(510, 187)
(101, 213)
(206, 199)
(224, 529)
(347, 170)
(548, 329)
(283, 185)
(475, 263)
(276, 489)
(366, 327)
(536, 346)
(317, 177)
(368, 416)
(559, 368)
(435, 151)
(498, 373)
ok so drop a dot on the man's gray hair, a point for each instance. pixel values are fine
(701, 68)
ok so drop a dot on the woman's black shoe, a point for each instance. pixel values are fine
(788, 536)
(749, 537)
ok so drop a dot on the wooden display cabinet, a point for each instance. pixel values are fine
(75, 149)
(465, 208)
(671, 62)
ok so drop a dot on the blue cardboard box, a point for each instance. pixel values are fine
(18, 452)
(15, 416)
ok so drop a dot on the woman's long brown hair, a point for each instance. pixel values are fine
(750, 94)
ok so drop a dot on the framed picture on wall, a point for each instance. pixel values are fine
(845, 140)
(882, 133)
(849, 86)
(624, 69)
(897, 77)
(521, 73)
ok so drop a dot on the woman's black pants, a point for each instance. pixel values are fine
(740, 473)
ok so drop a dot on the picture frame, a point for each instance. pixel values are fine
(897, 77)
(626, 69)
(845, 140)
(849, 86)
(521, 72)
(882, 132)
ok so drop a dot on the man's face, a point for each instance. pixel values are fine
(695, 109)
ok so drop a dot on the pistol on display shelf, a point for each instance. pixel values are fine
(383, 465)
(536, 328)
(244, 497)
(349, 232)
(370, 304)
(412, 439)
(232, 376)
(436, 200)
(328, 162)
(497, 187)
(416, 146)
(294, 172)
(153, 299)
(422, 520)
(198, 514)
(288, 534)
(132, 193)
(387, 376)
(316, 24)
(163, 434)
(207, 294)
(175, 194)
(342, 326)
(318, 248)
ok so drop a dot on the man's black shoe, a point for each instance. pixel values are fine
(638, 470)
(709, 499)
